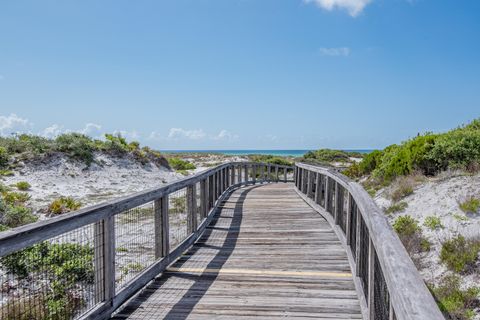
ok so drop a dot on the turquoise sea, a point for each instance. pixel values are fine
(283, 153)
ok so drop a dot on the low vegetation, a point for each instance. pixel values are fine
(76, 146)
(456, 303)
(397, 207)
(470, 205)
(428, 153)
(323, 156)
(460, 254)
(23, 185)
(180, 164)
(411, 235)
(63, 205)
(433, 223)
(271, 159)
(63, 267)
(13, 210)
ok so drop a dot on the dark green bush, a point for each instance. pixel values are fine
(460, 254)
(23, 185)
(411, 235)
(328, 155)
(77, 146)
(370, 162)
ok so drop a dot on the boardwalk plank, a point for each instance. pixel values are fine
(266, 255)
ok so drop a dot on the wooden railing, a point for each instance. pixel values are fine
(387, 281)
(87, 263)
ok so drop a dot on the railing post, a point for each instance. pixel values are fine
(276, 173)
(232, 175)
(254, 173)
(191, 209)
(262, 175)
(222, 185)
(246, 173)
(269, 173)
(371, 279)
(318, 188)
(327, 193)
(162, 247)
(357, 243)
(203, 198)
(349, 217)
(104, 260)
(309, 183)
(285, 171)
(336, 202)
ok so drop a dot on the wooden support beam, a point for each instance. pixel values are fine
(191, 209)
(104, 259)
(309, 184)
(336, 201)
(318, 188)
(285, 173)
(203, 198)
(349, 216)
(276, 173)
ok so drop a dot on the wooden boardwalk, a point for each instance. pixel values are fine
(266, 255)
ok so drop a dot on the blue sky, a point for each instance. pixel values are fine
(236, 74)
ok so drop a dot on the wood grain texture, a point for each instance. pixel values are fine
(266, 255)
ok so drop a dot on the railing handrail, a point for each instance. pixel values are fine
(21, 237)
(409, 295)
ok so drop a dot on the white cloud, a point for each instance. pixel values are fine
(353, 7)
(195, 134)
(127, 134)
(91, 129)
(53, 131)
(335, 52)
(225, 135)
(12, 123)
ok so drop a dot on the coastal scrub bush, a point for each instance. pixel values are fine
(116, 144)
(460, 254)
(179, 164)
(329, 155)
(3, 157)
(454, 301)
(77, 146)
(65, 266)
(411, 235)
(397, 207)
(15, 198)
(63, 205)
(16, 216)
(23, 185)
(433, 223)
(271, 159)
(470, 205)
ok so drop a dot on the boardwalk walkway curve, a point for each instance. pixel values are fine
(237, 241)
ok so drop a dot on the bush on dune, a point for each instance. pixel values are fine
(271, 159)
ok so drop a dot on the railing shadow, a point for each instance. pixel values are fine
(202, 281)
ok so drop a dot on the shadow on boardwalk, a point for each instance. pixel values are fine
(202, 281)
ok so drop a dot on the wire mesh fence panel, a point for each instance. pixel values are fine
(342, 207)
(331, 196)
(177, 216)
(363, 256)
(53, 279)
(134, 242)
(381, 300)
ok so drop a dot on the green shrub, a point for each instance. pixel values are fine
(179, 164)
(4, 157)
(271, 159)
(397, 207)
(329, 155)
(15, 198)
(411, 236)
(460, 254)
(406, 226)
(6, 173)
(63, 266)
(433, 223)
(77, 146)
(455, 302)
(63, 205)
(23, 185)
(470, 205)
(370, 162)
(116, 144)
(16, 216)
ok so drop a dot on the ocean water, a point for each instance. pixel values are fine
(283, 153)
